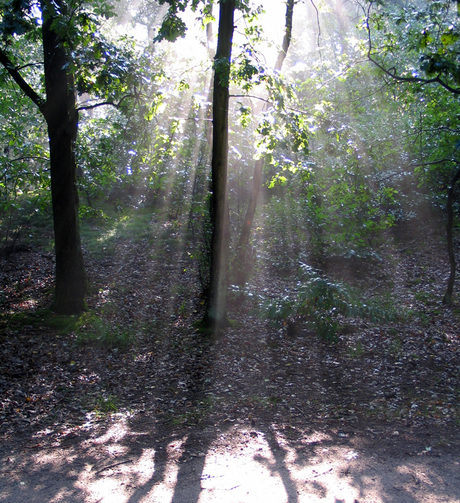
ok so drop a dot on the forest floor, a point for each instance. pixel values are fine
(132, 403)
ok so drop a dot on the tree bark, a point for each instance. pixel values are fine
(450, 243)
(216, 309)
(240, 263)
(62, 120)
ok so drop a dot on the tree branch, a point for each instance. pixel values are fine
(19, 68)
(17, 77)
(104, 103)
(249, 96)
(30, 158)
(317, 22)
(391, 72)
(431, 163)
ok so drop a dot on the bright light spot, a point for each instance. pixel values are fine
(108, 489)
(237, 152)
(299, 67)
(107, 235)
(115, 433)
(145, 466)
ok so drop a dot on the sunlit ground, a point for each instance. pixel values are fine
(240, 465)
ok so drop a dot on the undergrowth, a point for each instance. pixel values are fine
(94, 330)
(318, 303)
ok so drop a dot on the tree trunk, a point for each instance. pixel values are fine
(450, 243)
(240, 263)
(62, 120)
(206, 148)
(216, 309)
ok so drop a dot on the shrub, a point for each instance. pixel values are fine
(319, 302)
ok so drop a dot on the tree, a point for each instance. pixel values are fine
(61, 115)
(75, 58)
(173, 27)
(240, 261)
(419, 45)
(216, 313)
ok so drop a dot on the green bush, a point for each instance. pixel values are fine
(93, 330)
(319, 302)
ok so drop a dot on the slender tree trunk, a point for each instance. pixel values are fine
(216, 309)
(62, 120)
(207, 126)
(240, 263)
(450, 242)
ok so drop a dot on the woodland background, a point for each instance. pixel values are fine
(341, 314)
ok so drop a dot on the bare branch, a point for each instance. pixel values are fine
(17, 77)
(431, 163)
(250, 97)
(104, 103)
(19, 68)
(317, 22)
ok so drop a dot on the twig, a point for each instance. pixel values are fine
(322, 473)
(113, 465)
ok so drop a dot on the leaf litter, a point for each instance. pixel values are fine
(398, 381)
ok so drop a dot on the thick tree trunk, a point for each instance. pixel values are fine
(240, 263)
(62, 120)
(450, 242)
(216, 310)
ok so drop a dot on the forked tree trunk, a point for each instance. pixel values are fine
(241, 261)
(450, 241)
(216, 309)
(62, 120)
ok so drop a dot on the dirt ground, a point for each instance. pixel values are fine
(266, 413)
(128, 463)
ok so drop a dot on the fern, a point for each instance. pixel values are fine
(319, 302)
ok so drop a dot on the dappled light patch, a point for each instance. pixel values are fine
(237, 464)
(115, 433)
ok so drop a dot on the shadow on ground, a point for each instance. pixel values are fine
(139, 460)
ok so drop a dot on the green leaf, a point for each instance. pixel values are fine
(449, 38)
(171, 29)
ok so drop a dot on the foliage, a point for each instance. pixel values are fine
(355, 178)
(329, 144)
(104, 71)
(420, 40)
(285, 231)
(417, 45)
(24, 175)
(173, 27)
(319, 302)
(91, 329)
(104, 405)
(338, 141)
(100, 67)
(63, 324)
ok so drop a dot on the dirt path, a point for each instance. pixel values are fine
(122, 464)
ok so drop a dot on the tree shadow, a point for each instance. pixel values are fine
(190, 435)
(78, 472)
(280, 467)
